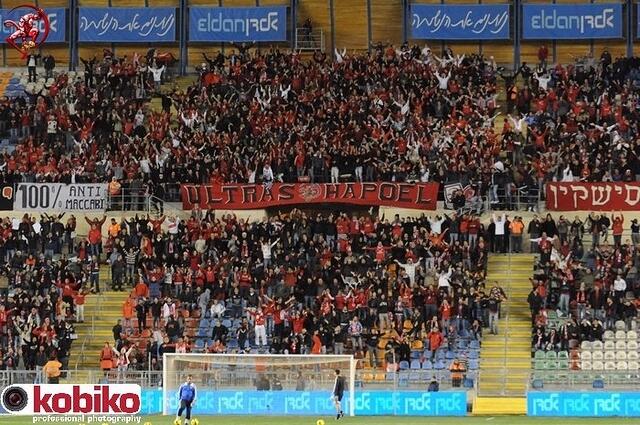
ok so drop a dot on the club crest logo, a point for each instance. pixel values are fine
(27, 34)
(309, 192)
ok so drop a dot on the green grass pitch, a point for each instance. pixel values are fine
(359, 420)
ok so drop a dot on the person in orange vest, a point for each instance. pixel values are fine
(458, 369)
(516, 227)
(106, 358)
(51, 370)
(128, 309)
(115, 192)
(114, 228)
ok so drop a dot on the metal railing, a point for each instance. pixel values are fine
(309, 40)
(501, 197)
(583, 379)
(82, 352)
(128, 200)
(229, 379)
(160, 206)
(69, 376)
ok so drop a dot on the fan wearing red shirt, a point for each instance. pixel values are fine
(157, 224)
(95, 235)
(260, 330)
(617, 229)
(474, 229)
(380, 252)
(244, 281)
(342, 226)
(68, 293)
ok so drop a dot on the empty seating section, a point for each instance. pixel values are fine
(615, 360)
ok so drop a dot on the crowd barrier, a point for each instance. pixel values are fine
(318, 403)
(583, 404)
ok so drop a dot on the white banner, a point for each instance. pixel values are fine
(60, 197)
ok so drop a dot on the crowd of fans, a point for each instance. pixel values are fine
(588, 280)
(45, 294)
(300, 283)
(297, 283)
(394, 114)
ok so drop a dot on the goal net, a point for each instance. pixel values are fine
(259, 384)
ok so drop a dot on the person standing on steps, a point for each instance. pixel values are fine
(32, 62)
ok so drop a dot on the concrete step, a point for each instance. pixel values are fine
(512, 344)
(499, 405)
(505, 359)
(514, 258)
(501, 343)
(517, 270)
(518, 324)
(510, 355)
(522, 293)
(511, 376)
(115, 302)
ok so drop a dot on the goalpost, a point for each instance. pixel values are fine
(261, 384)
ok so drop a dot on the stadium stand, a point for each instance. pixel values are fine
(583, 304)
(297, 284)
(413, 297)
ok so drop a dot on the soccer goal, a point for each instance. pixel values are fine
(259, 384)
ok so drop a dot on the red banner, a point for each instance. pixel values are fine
(422, 196)
(593, 196)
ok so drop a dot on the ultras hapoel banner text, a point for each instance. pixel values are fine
(254, 196)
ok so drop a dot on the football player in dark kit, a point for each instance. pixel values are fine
(338, 392)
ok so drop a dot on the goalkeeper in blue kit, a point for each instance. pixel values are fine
(187, 397)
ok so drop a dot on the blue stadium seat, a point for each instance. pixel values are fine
(415, 364)
(450, 355)
(204, 323)
(415, 377)
(427, 365)
(199, 344)
(416, 354)
(474, 364)
(537, 384)
(403, 379)
(440, 354)
(474, 344)
(226, 323)
(390, 376)
(473, 354)
(439, 365)
(461, 344)
(404, 365)
(467, 383)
